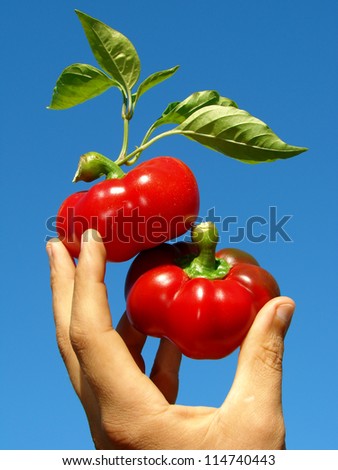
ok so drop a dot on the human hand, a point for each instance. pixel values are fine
(125, 408)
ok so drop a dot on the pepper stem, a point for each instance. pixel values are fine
(205, 236)
(126, 116)
(93, 165)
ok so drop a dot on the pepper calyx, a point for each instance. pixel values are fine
(93, 165)
(206, 265)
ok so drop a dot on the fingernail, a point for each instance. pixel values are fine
(49, 249)
(85, 238)
(285, 312)
(90, 235)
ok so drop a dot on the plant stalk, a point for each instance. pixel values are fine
(205, 265)
(136, 153)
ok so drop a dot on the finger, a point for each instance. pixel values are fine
(259, 373)
(62, 272)
(62, 282)
(104, 357)
(133, 339)
(165, 370)
(164, 373)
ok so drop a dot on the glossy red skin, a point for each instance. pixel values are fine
(246, 270)
(160, 256)
(156, 201)
(234, 256)
(206, 319)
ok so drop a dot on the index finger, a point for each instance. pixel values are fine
(102, 353)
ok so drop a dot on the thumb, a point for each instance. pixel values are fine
(259, 372)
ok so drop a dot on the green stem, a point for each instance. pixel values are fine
(136, 153)
(93, 165)
(205, 236)
(124, 147)
(148, 134)
(129, 108)
(126, 116)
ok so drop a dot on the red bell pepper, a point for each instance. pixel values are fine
(156, 201)
(202, 302)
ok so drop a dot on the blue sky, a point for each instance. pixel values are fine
(277, 60)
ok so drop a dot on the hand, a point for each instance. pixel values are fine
(127, 409)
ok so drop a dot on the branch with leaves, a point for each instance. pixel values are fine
(205, 117)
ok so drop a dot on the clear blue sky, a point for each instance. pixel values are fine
(278, 60)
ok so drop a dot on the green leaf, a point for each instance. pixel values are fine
(179, 111)
(236, 133)
(113, 51)
(78, 83)
(153, 80)
(223, 101)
